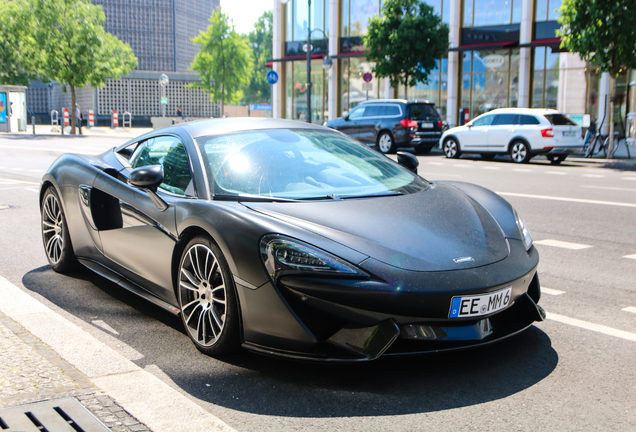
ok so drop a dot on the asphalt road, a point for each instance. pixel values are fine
(575, 371)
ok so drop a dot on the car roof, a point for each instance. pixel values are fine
(402, 101)
(531, 111)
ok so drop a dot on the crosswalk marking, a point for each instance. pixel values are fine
(630, 309)
(551, 291)
(562, 244)
(633, 256)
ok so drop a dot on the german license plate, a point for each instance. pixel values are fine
(478, 305)
(569, 133)
(426, 125)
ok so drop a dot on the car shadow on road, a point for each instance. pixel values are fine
(261, 385)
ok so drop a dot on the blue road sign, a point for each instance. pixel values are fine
(272, 77)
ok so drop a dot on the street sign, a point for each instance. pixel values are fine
(272, 77)
(367, 86)
(164, 101)
(367, 77)
(261, 107)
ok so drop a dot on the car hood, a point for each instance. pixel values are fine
(437, 229)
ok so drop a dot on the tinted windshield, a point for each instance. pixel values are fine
(300, 164)
(560, 120)
(422, 112)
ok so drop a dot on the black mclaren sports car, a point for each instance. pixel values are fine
(292, 239)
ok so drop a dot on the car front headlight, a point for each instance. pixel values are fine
(282, 254)
(526, 238)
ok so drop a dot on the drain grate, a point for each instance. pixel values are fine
(61, 415)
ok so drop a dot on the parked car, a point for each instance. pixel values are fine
(392, 123)
(291, 239)
(521, 132)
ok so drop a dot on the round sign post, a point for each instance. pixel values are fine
(367, 77)
(272, 77)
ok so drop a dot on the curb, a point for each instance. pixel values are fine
(153, 402)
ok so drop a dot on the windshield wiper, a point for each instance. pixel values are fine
(251, 198)
(375, 195)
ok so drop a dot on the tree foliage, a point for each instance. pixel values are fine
(224, 63)
(405, 41)
(261, 42)
(19, 53)
(602, 32)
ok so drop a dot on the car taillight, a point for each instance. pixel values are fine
(408, 123)
(547, 133)
(440, 123)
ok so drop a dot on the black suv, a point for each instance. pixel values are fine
(392, 123)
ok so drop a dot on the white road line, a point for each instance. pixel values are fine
(462, 165)
(33, 190)
(593, 175)
(556, 172)
(593, 327)
(429, 174)
(551, 291)
(15, 182)
(17, 169)
(435, 163)
(577, 200)
(609, 188)
(522, 169)
(630, 256)
(630, 309)
(491, 167)
(629, 178)
(3, 207)
(101, 324)
(562, 244)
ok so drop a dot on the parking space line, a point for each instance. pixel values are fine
(556, 172)
(593, 175)
(491, 167)
(562, 244)
(551, 291)
(576, 200)
(462, 165)
(630, 309)
(591, 326)
(609, 188)
(522, 169)
(633, 256)
(629, 178)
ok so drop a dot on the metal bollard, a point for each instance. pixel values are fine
(33, 123)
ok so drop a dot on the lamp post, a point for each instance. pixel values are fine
(326, 63)
(163, 82)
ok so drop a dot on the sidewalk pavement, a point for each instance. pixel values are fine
(103, 131)
(43, 356)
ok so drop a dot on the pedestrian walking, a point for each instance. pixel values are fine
(179, 112)
(78, 118)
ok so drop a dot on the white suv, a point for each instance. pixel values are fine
(520, 132)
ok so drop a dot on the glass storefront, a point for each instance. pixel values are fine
(478, 13)
(352, 92)
(631, 115)
(489, 80)
(296, 26)
(296, 91)
(435, 91)
(547, 10)
(545, 80)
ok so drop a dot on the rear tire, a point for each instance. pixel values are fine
(519, 152)
(556, 160)
(55, 237)
(207, 298)
(451, 148)
(386, 145)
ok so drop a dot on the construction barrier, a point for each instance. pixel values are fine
(91, 118)
(115, 119)
(66, 118)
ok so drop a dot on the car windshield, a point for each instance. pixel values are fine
(560, 120)
(300, 164)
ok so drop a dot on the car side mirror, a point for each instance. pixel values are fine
(345, 117)
(149, 178)
(469, 125)
(408, 161)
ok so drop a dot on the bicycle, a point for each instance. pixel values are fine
(618, 139)
(595, 144)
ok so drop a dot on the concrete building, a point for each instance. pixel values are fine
(503, 53)
(159, 32)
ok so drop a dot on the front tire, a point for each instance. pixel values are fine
(55, 237)
(386, 145)
(519, 152)
(207, 298)
(451, 148)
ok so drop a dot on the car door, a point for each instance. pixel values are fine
(501, 131)
(369, 123)
(351, 124)
(140, 237)
(475, 136)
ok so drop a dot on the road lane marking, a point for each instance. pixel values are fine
(491, 167)
(609, 188)
(629, 178)
(551, 291)
(101, 324)
(593, 176)
(428, 174)
(15, 182)
(462, 165)
(556, 172)
(591, 326)
(435, 163)
(562, 244)
(577, 200)
(630, 256)
(33, 190)
(630, 309)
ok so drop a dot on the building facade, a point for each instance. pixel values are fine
(502, 53)
(159, 33)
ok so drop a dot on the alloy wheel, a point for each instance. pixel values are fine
(52, 226)
(385, 143)
(450, 148)
(202, 295)
(519, 152)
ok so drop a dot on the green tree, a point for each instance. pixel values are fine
(19, 53)
(601, 32)
(76, 50)
(261, 42)
(405, 41)
(224, 63)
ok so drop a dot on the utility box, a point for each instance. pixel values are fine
(13, 109)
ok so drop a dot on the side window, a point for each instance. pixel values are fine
(505, 119)
(484, 121)
(356, 113)
(372, 111)
(528, 120)
(392, 110)
(171, 154)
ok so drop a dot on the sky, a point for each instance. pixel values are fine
(244, 13)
